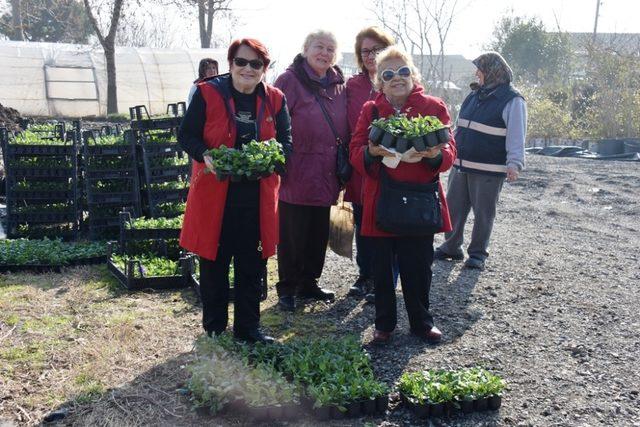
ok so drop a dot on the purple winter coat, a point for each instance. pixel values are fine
(311, 170)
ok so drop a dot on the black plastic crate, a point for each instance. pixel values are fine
(128, 234)
(115, 198)
(26, 172)
(128, 279)
(45, 217)
(13, 150)
(141, 120)
(43, 195)
(66, 231)
(168, 196)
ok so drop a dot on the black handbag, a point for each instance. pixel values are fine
(408, 209)
(343, 166)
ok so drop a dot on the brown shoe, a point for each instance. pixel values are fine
(381, 337)
(432, 336)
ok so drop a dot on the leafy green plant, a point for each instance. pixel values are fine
(255, 158)
(170, 209)
(401, 125)
(30, 185)
(47, 252)
(149, 265)
(156, 223)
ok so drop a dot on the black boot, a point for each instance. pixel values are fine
(287, 303)
(316, 293)
(359, 288)
(253, 336)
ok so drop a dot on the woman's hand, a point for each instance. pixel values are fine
(208, 162)
(377, 151)
(512, 174)
(429, 153)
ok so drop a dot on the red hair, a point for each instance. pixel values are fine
(255, 45)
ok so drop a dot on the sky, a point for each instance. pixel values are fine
(283, 24)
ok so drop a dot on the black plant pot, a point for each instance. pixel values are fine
(495, 402)
(236, 178)
(336, 413)
(323, 413)
(382, 402)
(221, 176)
(482, 404)
(453, 408)
(418, 143)
(436, 409)
(466, 406)
(259, 413)
(291, 411)
(265, 174)
(253, 177)
(388, 140)
(354, 409)
(375, 134)
(275, 412)
(431, 139)
(369, 407)
(421, 410)
(203, 411)
(238, 406)
(279, 168)
(444, 135)
(402, 144)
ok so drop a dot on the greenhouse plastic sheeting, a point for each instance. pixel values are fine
(57, 79)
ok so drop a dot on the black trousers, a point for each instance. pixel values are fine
(240, 240)
(415, 256)
(304, 234)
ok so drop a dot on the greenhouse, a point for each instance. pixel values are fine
(66, 80)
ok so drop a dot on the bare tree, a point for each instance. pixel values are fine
(142, 27)
(421, 27)
(108, 44)
(16, 13)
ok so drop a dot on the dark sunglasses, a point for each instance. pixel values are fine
(389, 74)
(366, 52)
(256, 64)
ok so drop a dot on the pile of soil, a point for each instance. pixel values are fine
(9, 117)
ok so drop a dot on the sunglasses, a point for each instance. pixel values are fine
(256, 64)
(389, 74)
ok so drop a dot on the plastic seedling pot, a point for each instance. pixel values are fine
(388, 140)
(466, 406)
(382, 402)
(482, 404)
(369, 407)
(495, 402)
(431, 139)
(322, 413)
(444, 135)
(376, 134)
(436, 409)
(402, 144)
(421, 410)
(418, 143)
(336, 413)
(354, 409)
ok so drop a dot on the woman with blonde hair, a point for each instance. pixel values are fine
(315, 91)
(401, 93)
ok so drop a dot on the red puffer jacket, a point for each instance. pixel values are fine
(205, 203)
(417, 104)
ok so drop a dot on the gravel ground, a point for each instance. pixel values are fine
(555, 312)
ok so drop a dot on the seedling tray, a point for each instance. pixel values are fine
(169, 171)
(130, 282)
(449, 408)
(110, 150)
(164, 196)
(48, 195)
(161, 148)
(119, 198)
(97, 174)
(25, 172)
(156, 124)
(14, 150)
(44, 217)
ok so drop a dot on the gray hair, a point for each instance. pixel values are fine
(394, 52)
(319, 34)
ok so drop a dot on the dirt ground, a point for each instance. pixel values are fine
(555, 313)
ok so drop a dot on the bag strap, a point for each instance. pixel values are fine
(375, 114)
(328, 119)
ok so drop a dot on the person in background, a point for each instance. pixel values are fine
(360, 89)
(401, 93)
(315, 91)
(490, 133)
(208, 67)
(223, 219)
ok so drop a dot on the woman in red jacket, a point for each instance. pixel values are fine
(360, 89)
(398, 80)
(239, 220)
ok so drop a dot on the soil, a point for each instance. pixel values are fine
(9, 118)
(554, 313)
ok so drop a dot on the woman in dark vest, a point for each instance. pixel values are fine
(239, 220)
(490, 136)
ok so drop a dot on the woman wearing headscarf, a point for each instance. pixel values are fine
(490, 135)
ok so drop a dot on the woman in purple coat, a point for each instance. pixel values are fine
(315, 91)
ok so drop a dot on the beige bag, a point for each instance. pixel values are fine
(341, 229)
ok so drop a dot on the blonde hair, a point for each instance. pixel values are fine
(319, 34)
(375, 33)
(391, 53)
